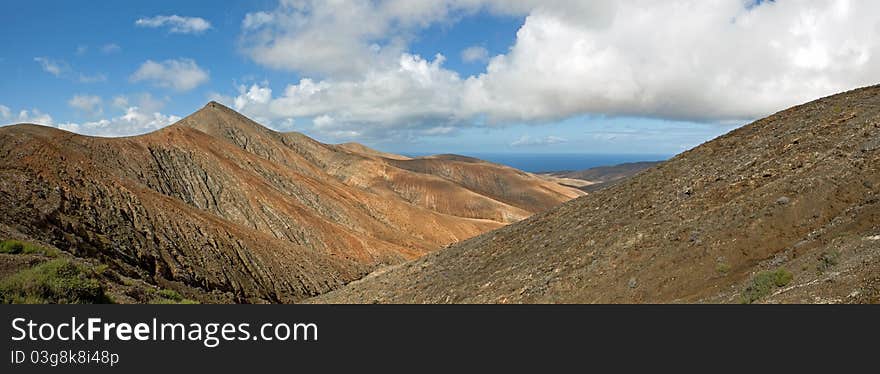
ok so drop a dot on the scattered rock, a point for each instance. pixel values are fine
(633, 283)
(871, 145)
(783, 201)
(778, 260)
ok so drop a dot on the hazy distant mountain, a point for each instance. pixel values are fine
(786, 209)
(598, 177)
(221, 208)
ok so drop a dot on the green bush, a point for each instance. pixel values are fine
(167, 301)
(20, 247)
(170, 294)
(828, 260)
(11, 246)
(763, 284)
(57, 281)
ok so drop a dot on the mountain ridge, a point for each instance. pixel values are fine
(593, 179)
(218, 203)
(791, 197)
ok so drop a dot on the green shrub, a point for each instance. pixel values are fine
(168, 301)
(763, 284)
(828, 260)
(11, 246)
(170, 294)
(20, 247)
(57, 281)
(722, 268)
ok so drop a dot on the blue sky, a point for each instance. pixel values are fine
(65, 26)
(537, 77)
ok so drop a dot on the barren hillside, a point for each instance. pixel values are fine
(217, 203)
(784, 209)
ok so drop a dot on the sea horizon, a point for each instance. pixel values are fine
(553, 162)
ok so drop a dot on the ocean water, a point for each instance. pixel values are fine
(543, 162)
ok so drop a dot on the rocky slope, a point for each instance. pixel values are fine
(785, 209)
(217, 204)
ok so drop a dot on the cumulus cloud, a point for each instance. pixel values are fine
(256, 20)
(131, 120)
(53, 67)
(134, 121)
(176, 24)
(351, 37)
(61, 69)
(414, 96)
(88, 104)
(7, 117)
(528, 141)
(336, 38)
(35, 116)
(95, 78)
(475, 54)
(180, 74)
(110, 48)
(144, 101)
(713, 60)
(120, 101)
(709, 61)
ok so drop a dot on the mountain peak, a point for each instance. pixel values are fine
(216, 105)
(217, 119)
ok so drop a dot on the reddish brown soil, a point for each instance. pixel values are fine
(220, 204)
(798, 191)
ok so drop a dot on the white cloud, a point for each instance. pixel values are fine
(176, 24)
(85, 78)
(256, 20)
(475, 54)
(110, 48)
(144, 101)
(35, 116)
(88, 104)
(716, 61)
(148, 103)
(438, 130)
(53, 67)
(120, 101)
(415, 95)
(180, 74)
(134, 121)
(61, 69)
(24, 116)
(726, 62)
(335, 38)
(351, 37)
(528, 141)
